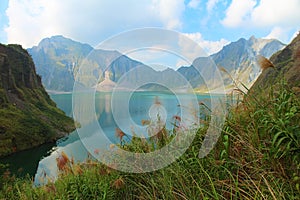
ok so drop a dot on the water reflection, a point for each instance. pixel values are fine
(103, 109)
(26, 162)
(140, 105)
(72, 146)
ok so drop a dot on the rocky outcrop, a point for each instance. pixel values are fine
(28, 117)
(286, 68)
(237, 58)
(58, 60)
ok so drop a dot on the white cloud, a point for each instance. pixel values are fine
(238, 12)
(194, 4)
(270, 13)
(88, 21)
(170, 12)
(283, 34)
(211, 4)
(210, 47)
(276, 12)
(278, 33)
(295, 35)
(198, 47)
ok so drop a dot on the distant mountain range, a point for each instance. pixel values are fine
(57, 60)
(237, 58)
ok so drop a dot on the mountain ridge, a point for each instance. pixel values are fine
(238, 58)
(286, 67)
(58, 58)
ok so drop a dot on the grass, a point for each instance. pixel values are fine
(256, 157)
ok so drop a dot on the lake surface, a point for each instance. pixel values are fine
(42, 160)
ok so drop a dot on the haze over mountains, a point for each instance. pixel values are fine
(58, 59)
(237, 58)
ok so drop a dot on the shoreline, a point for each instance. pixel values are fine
(57, 92)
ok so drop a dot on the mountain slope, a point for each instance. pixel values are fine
(28, 117)
(58, 60)
(238, 58)
(286, 67)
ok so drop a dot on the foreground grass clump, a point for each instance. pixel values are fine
(256, 157)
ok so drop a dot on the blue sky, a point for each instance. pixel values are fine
(211, 23)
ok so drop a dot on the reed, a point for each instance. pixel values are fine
(264, 63)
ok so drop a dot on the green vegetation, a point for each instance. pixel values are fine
(28, 117)
(36, 123)
(256, 157)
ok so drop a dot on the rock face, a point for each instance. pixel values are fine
(286, 67)
(58, 60)
(237, 58)
(106, 85)
(28, 117)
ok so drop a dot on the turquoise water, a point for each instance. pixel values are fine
(41, 161)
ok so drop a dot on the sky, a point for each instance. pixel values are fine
(210, 23)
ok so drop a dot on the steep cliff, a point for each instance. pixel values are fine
(286, 67)
(28, 117)
(237, 58)
(58, 59)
